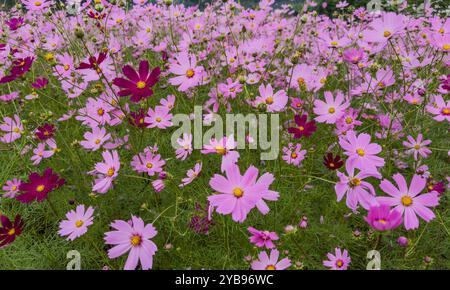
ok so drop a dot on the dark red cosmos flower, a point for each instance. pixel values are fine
(40, 83)
(303, 128)
(95, 15)
(139, 84)
(8, 230)
(437, 186)
(45, 132)
(14, 23)
(19, 68)
(137, 119)
(39, 187)
(93, 62)
(331, 162)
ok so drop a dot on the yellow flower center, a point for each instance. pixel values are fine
(220, 150)
(417, 146)
(441, 30)
(66, 67)
(110, 172)
(40, 188)
(16, 130)
(348, 120)
(158, 119)
(339, 263)
(79, 223)
(149, 165)
(232, 60)
(382, 221)
(270, 267)
(334, 43)
(136, 240)
(97, 141)
(331, 164)
(323, 80)
(140, 85)
(269, 101)
(238, 192)
(446, 46)
(331, 110)
(301, 128)
(294, 155)
(387, 34)
(190, 73)
(360, 152)
(38, 3)
(301, 81)
(355, 182)
(11, 232)
(14, 187)
(100, 112)
(407, 200)
(446, 111)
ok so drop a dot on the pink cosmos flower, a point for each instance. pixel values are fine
(168, 102)
(77, 222)
(354, 55)
(275, 102)
(106, 171)
(133, 237)
(191, 174)
(408, 201)
(382, 218)
(262, 238)
(40, 152)
(265, 262)
(11, 188)
(13, 129)
(361, 153)
(440, 109)
(148, 162)
(230, 88)
(293, 154)
(158, 185)
(339, 261)
(332, 109)
(160, 118)
(357, 190)
(9, 97)
(37, 5)
(185, 146)
(188, 73)
(223, 147)
(385, 27)
(417, 146)
(95, 139)
(239, 194)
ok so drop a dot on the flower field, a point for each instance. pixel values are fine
(154, 135)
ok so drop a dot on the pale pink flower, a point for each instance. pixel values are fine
(77, 222)
(191, 174)
(160, 118)
(332, 109)
(265, 262)
(185, 146)
(95, 139)
(417, 147)
(13, 129)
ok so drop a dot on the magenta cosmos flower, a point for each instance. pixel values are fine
(8, 230)
(38, 187)
(239, 194)
(262, 238)
(139, 84)
(361, 153)
(45, 132)
(265, 262)
(339, 261)
(357, 190)
(133, 237)
(304, 128)
(417, 147)
(408, 201)
(332, 109)
(382, 218)
(77, 222)
(188, 73)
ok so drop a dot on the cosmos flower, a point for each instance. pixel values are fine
(339, 261)
(440, 109)
(332, 109)
(95, 139)
(40, 83)
(137, 119)
(224, 147)
(382, 218)
(133, 237)
(188, 73)
(13, 129)
(138, 83)
(93, 62)
(37, 5)
(303, 128)
(45, 132)
(408, 201)
(262, 238)
(148, 162)
(239, 194)
(11, 188)
(38, 187)
(185, 144)
(14, 23)
(106, 171)
(361, 153)
(293, 154)
(331, 162)
(9, 231)
(354, 55)
(417, 147)
(160, 118)
(191, 174)
(77, 222)
(265, 262)
(275, 102)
